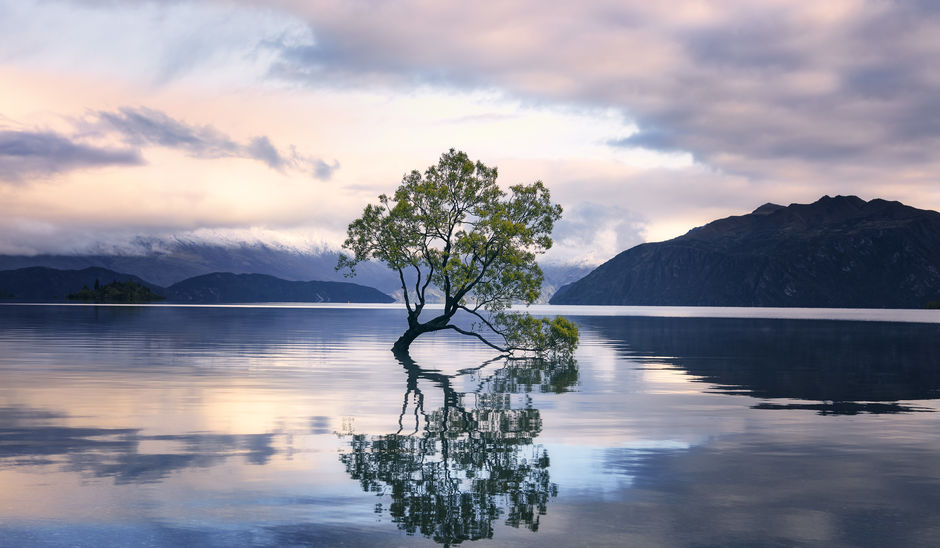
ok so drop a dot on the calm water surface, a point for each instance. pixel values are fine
(169, 426)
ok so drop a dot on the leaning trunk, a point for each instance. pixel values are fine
(415, 329)
(404, 342)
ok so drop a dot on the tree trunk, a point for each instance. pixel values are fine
(415, 329)
(404, 342)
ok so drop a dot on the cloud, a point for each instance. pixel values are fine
(260, 148)
(41, 153)
(147, 127)
(143, 126)
(27, 154)
(592, 232)
(323, 170)
(654, 139)
(156, 43)
(756, 101)
(754, 88)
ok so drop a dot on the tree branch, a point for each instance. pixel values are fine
(477, 335)
(484, 265)
(404, 289)
(484, 320)
(418, 294)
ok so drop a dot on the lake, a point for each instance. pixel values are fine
(296, 426)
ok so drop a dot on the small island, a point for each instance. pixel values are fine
(116, 292)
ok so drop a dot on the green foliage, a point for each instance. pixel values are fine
(116, 292)
(933, 305)
(562, 335)
(557, 337)
(455, 229)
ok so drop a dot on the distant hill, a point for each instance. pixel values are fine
(166, 262)
(557, 275)
(41, 284)
(225, 287)
(836, 252)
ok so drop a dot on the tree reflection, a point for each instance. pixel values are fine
(470, 462)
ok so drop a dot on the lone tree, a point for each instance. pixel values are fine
(452, 228)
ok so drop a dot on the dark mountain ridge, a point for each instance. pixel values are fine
(836, 252)
(226, 287)
(41, 284)
(48, 284)
(166, 262)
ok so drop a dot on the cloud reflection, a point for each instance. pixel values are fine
(35, 436)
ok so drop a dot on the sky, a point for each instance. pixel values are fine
(278, 121)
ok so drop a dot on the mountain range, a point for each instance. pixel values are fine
(166, 262)
(835, 252)
(42, 284)
(225, 287)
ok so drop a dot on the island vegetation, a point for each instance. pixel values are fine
(454, 229)
(116, 292)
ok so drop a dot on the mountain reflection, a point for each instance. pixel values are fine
(469, 463)
(847, 367)
(847, 408)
